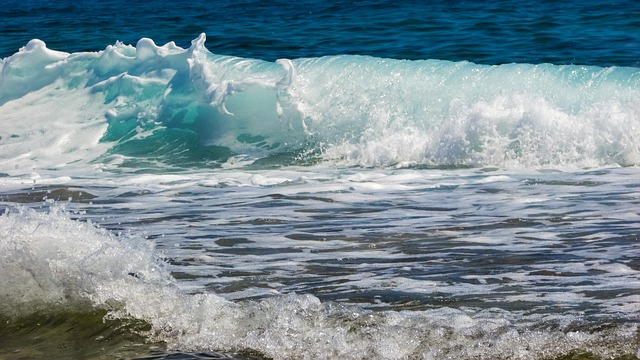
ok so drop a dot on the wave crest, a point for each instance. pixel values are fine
(204, 109)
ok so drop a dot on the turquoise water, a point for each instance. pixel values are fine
(308, 180)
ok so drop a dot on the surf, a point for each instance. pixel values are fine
(68, 274)
(131, 108)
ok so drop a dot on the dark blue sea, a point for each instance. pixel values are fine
(319, 180)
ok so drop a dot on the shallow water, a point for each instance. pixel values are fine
(529, 258)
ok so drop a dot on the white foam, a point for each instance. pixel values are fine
(49, 130)
(31, 68)
(50, 260)
(462, 114)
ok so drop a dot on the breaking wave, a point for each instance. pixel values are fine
(164, 106)
(55, 266)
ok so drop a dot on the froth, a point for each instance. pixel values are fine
(51, 261)
(381, 112)
(301, 327)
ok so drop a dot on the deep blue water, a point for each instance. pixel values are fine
(490, 32)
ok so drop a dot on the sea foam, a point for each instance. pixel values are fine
(51, 262)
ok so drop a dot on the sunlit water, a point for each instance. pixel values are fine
(167, 201)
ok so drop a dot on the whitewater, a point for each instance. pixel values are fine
(125, 103)
(161, 201)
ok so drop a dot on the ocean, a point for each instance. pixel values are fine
(320, 180)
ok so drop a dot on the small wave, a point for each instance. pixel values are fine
(55, 267)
